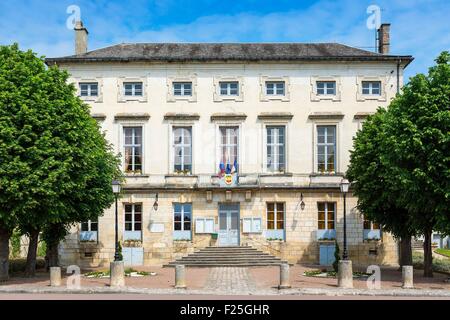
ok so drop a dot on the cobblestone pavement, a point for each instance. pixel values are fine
(230, 279)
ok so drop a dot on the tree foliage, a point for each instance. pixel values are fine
(400, 165)
(56, 167)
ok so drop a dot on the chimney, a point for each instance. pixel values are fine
(81, 38)
(384, 38)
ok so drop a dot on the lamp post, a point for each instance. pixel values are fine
(344, 185)
(116, 191)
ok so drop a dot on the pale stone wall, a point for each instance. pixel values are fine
(301, 243)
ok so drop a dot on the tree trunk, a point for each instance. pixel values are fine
(4, 253)
(52, 255)
(427, 256)
(30, 267)
(405, 252)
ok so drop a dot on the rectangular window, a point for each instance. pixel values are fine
(276, 148)
(275, 88)
(275, 216)
(182, 216)
(371, 88)
(229, 137)
(230, 88)
(182, 88)
(182, 144)
(132, 89)
(88, 89)
(326, 87)
(369, 225)
(326, 216)
(326, 149)
(89, 225)
(133, 217)
(133, 149)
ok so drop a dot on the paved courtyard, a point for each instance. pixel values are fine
(231, 280)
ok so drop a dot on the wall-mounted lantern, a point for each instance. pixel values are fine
(302, 203)
(155, 205)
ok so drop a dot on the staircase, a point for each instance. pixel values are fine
(244, 256)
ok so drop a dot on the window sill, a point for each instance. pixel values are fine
(326, 174)
(276, 174)
(136, 175)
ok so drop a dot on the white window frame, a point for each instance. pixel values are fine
(171, 97)
(326, 144)
(121, 97)
(330, 97)
(133, 146)
(268, 97)
(98, 98)
(218, 97)
(133, 89)
(326, 214)
(182, 145)
(219, 145)
(275, 215)
(89, 222)
(270, 170)
(123, 127)
(182, 215)
(363, 97)
(119, 146)
(338, 148)
(133, 218)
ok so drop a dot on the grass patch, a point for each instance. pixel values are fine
(106, 273)
(439, 265)
(331, 274)
(444, 252)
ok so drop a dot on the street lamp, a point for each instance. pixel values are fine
(116, 190)
(344, 185)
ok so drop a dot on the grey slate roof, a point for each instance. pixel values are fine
(203, 52)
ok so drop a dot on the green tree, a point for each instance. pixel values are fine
(56, 167)
(370, 172)
(417, 146)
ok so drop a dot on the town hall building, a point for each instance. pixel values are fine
(232, 144)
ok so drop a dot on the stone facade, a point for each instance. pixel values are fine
(300, 111)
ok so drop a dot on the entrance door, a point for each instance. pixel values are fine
(228, 225)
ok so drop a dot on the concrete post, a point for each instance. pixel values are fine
(55, 276)
(345, 274)
(407, 277)
(117, 274)
(180, 276)
(284, 276)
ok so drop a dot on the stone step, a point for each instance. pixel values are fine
(227, 256)
(224, 260)
(214, 265)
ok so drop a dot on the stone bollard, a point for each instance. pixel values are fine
(117, 274)
(407, 277)
(55, 276)
(284, 276)
(345, 274)
(180, 276)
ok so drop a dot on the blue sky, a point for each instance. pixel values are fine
(419, 27)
